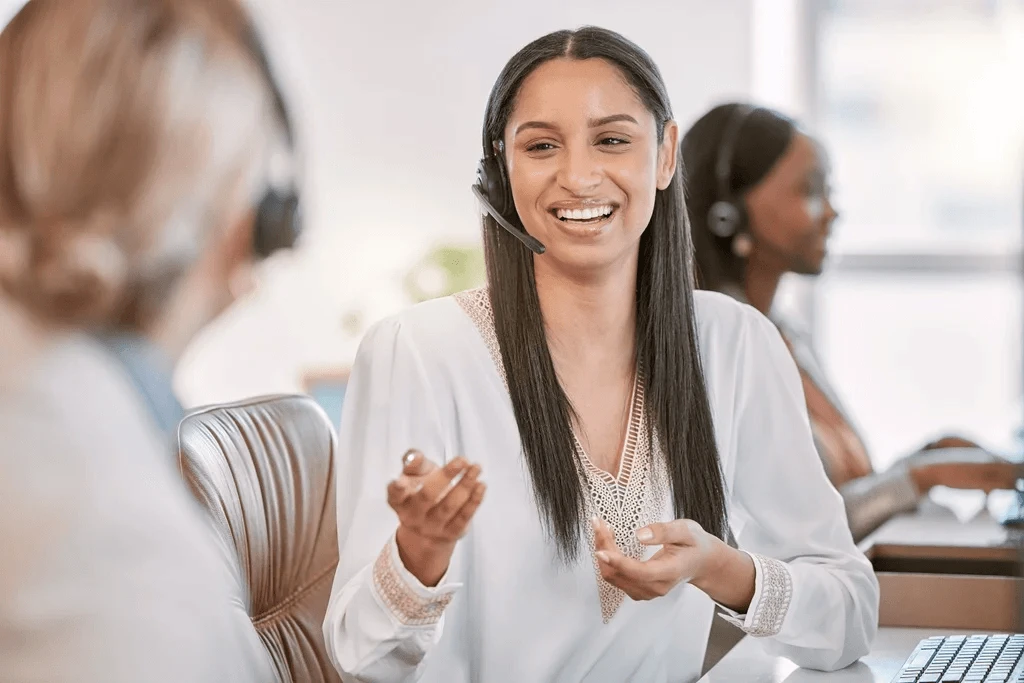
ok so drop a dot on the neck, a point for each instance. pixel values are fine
(24, 337)
(760, 283)
(590, 320)
(188, 313)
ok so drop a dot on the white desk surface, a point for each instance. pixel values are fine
(749, 663)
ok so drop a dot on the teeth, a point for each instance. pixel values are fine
(584, 214)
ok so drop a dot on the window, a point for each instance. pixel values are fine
(918, 318)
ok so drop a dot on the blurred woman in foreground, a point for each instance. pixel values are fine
(134, 143)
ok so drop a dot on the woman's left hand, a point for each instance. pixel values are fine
(686, 553)
(949, 442)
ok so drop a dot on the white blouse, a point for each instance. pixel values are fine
(508, 609)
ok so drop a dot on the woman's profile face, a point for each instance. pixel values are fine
(790, 213)
(584, 162)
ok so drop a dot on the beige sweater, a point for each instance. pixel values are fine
(107, 570)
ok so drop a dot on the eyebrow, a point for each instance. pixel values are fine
(593, 123)
(614, 118)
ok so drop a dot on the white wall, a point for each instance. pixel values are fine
(390, 97)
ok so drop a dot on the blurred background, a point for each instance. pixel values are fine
(920, 103)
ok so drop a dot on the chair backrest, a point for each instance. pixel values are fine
(264, 469)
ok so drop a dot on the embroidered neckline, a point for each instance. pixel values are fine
(627, 502)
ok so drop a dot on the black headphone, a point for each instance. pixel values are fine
(495, 194)
(278, 221)
(728, 214)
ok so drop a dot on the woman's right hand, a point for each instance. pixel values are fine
(432, 513)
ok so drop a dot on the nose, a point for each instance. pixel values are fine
(579, 172)
(831, 213)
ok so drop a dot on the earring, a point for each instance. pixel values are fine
(742, 245)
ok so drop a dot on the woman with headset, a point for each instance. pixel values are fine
(758, 199)
(135, 138)
(617, 449)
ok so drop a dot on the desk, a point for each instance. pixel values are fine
(938, 572)
(935, 525)
(933, 530)
(749, 663)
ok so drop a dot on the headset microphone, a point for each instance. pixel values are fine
(532, 243)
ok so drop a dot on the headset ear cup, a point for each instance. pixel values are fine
(489, 173)
(725, 218)
(278, 222)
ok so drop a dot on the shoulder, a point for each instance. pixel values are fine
(741, 350)
(82, 463)
(89, 400)
(80, 395)
(435, 331)
(440, 319)
(89, 437)
(79, 444)
(725, 326)
(92, 496)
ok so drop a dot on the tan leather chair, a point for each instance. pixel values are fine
(264, 469)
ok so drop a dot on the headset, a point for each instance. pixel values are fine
(495, 194)
(728, 214)
(278, 221)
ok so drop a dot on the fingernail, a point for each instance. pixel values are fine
(595, 522)
(644, 534)
(602, 555)
(409, 456)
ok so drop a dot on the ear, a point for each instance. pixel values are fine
(236, 242)
(226, 265)
(668, 155)
(238, 253)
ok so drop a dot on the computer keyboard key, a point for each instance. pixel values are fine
(920, 660)
(995, 658)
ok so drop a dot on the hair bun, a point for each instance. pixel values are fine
(75, 276)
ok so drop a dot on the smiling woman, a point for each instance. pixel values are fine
(602, 194)
(582, 382)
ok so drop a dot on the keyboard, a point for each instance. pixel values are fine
(966, 659)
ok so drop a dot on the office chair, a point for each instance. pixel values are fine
(264, 470)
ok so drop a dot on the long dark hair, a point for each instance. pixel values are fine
(675, 392)
(760, 141)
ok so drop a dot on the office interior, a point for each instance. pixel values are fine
(914, 102)
(917, 317)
